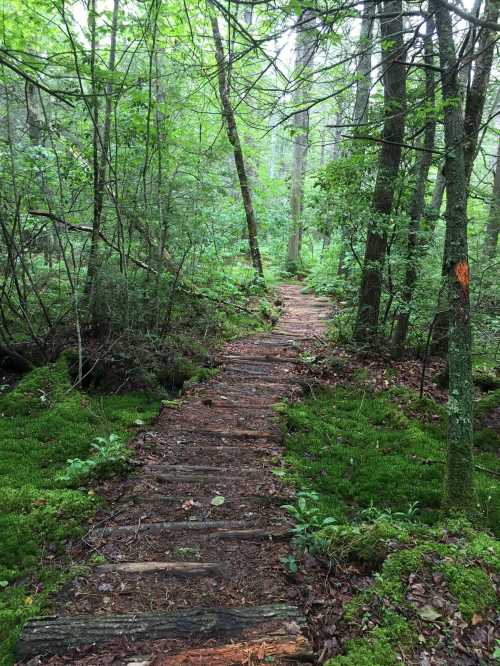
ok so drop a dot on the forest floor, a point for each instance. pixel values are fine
(189, 560)
(189, 550)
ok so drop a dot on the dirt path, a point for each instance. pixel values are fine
(188, 567)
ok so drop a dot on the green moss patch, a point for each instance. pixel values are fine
(370, 472)
(357, 448)
(44, 423)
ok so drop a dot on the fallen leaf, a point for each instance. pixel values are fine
(428, 613)
(218, 500)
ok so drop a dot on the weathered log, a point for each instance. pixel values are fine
(170, 568)
(167, 527)
(178, 500)
(259, 359)
(55, 635)
(263, 651)
(200, 469)
(232, 433)
(254, 534)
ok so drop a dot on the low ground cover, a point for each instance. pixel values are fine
(44, 422)
(407, 584)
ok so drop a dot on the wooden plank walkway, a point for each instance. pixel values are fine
(194, 543)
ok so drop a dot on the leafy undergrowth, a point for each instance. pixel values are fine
(405, 584)
(43, 424)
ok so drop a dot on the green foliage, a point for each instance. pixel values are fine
(109, 456)
(307, 519)
(37, 511)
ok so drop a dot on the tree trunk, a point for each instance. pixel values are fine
(234, 140)
(361, 103)
(474, 107)
(493, 224)
(391, 26)
(418, 199)
(460, 460)
(476, 96)
(304, 52)
(364, 67)
(101, 143)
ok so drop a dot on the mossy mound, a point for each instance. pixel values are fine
(433, 582)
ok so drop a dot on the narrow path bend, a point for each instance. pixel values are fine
(188, 569)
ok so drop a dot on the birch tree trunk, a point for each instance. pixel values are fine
(234, 140)
(460, 458)
(304, 53)
(391, 26)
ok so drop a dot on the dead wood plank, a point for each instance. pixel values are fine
(171, 568)
(167, 527)
(180, 499)
(261, 651)
(201, 469)
(259, 359)
(55, 635)
(255, 534)
(232, 433)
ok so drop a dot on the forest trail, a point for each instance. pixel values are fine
(187, 565)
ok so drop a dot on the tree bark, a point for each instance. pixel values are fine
(391, 26)
(304, 53)
(55, 635)
(364, 67)
(234, 140)
(474, 107)
(460, 458)
(361, 104)
(101, 142)
(493, 224)
(418, 200)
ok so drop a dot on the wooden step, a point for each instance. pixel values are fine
(266, 650)
(253, 534)
(259, 359)
(162, 526)
(182, 569)
(178, 500)
(55, 635)
(232, 433)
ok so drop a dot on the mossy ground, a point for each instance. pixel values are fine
(358, 448)
(43, 423)
(367, 455)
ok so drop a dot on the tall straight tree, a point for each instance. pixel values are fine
(417, 204)
(474, 107)
(460, 459)
(394, 77)
(234, 140)
(304, 53)
(100, 145)
(493, 224)
(361, 101)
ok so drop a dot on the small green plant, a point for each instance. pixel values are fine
(290, 562)
(374, 514)
(308, 519)
(110, 456)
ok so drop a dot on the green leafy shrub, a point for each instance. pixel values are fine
(109, 456)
